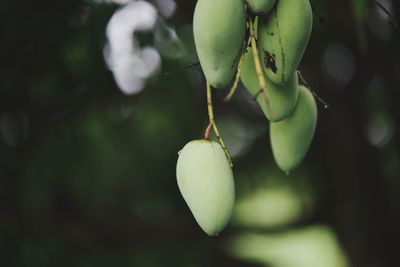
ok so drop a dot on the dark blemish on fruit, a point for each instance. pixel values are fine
(269, 60)
(271, 33)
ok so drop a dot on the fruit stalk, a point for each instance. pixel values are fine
(305, 83)
(214, 125)
(208, 131)
(237, 79)
(257, 65)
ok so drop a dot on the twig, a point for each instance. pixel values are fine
(214, 125)
(181, 69)
(321, 20)
(303, 81)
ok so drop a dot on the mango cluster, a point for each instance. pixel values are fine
(282, 29)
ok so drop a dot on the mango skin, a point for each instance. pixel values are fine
(283, 38)
(219, 28)
(260, 6)
(205, 180)
(291, 137)
(282, 99)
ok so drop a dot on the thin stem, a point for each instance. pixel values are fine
(257, 64)
(237, 79)
(238, 73)
(303, 81)
(181, 69)
(214, 125)
(208, 131)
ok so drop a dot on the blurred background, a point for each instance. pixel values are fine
(90, 128)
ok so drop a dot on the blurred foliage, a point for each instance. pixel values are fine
(87, 174)
(310, 247)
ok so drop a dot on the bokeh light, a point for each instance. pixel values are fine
(339, 63)
(314, 246)
(131, 65)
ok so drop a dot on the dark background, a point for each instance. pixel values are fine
(87, 174)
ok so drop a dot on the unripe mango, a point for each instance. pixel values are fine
(205, 180)
(291, 137)
(219, 28)
(260, 6)
(283, 37)
(282, 99)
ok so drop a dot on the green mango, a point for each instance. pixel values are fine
(205, 180)
(219, 28)
(282, 99)
(260, 6)
(283, 37)
(291, 137)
